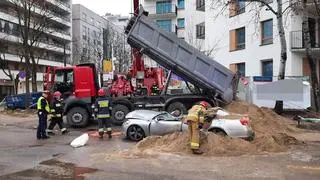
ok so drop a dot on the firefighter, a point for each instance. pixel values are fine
(102, 111)
(195, 121)
(43, 111)
(154, 89)
(56, 114)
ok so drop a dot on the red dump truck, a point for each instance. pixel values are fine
(192, 77)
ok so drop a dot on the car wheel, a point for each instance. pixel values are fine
(119, 113)
(219, 132)
(135, 133)
(78, 117)
(178, 108)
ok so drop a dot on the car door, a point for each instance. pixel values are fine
(164, 124)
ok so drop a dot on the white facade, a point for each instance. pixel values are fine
(50, 50)
(218, 29)
(178, 10)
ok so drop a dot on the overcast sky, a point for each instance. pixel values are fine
(101, 7)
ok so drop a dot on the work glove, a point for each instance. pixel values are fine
(200, 125)
(188, 122)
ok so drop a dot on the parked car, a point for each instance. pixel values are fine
(142, 123)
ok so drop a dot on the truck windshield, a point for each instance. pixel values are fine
(64, 81)
(177, 85)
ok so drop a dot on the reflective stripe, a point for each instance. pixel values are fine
(109, 129)
(52, 110)
(63, 129)
(58, 105)
(195, 145)
(92, 106)
(96, 109)
(103, 115)
(104, 103)
(58, 115)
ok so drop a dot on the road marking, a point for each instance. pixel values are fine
(311, 168)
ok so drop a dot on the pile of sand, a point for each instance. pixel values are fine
(272, 135)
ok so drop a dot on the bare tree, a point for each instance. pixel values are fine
(33, 19)
(6, 69)
(308, 47)
(118, 48)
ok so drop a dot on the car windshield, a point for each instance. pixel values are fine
(166, 117)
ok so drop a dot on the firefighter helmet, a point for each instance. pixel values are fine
(101, 92)
(205, 104)
(56, 94)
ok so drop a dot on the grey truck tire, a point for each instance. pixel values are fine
(119, 113)
(78, 117)
(177, 106)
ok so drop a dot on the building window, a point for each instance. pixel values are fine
(92, 21)
(267, 68)
(181, 4)
(237, 39)
(84, 16)
(84, 32)
(241, 67)
(200, 31)
(236, 7)
(181, 23)
(163, 7)
(267, 32)
(200, 5)
(165, 24)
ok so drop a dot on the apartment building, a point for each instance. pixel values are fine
(52, 48)
(249, 40)
(184, 18)
(87, 35)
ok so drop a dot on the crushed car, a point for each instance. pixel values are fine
(142, 123)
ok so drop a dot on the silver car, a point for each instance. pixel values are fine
(141, 123)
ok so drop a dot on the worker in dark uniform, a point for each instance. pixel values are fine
(102, 111)
(43, 111)
(56, 114)
(154, 89)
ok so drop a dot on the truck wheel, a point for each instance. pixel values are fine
(178, 107)
(77, 117)
(119, 113)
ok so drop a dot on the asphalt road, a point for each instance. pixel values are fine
(24, 157)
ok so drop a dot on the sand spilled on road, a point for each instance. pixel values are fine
(272, 135)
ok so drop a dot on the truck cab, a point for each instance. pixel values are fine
(78, 86)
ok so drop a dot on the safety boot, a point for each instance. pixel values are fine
(51, 134)
(109, 134)
(197, 151)
(101, 134)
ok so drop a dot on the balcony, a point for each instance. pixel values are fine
(162, 13)
(201, 5)
(41, 43)
(63, 5)
(9, 16)
(297, 42)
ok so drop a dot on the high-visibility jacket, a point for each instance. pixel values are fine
(102, 107)
(196, 114)
(43, 105)
(57, 109)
